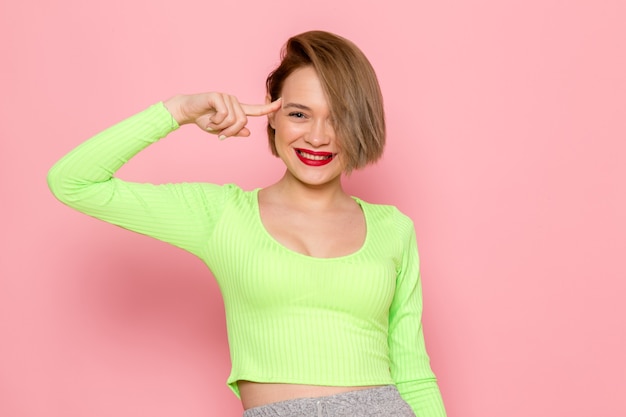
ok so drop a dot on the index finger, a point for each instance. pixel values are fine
(261, 109)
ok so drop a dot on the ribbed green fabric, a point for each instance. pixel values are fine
(347, 321)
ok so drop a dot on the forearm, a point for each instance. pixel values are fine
(96, 160)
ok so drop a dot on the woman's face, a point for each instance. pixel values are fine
(305, 138)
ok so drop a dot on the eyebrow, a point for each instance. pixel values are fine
(296, 106)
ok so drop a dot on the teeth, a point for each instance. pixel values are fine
(314, 157)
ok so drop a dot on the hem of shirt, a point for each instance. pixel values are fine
(278, 380)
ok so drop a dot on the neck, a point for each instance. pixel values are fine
(310, 196)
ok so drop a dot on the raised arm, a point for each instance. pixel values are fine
(181, 214)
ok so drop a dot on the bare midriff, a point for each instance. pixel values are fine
(255, 394)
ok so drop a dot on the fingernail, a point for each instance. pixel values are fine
(222, 137)
(210, 129)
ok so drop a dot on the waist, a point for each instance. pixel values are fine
(254, 394)
(379, 401)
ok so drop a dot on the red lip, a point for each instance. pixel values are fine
(314, 162)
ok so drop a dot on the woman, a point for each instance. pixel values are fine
(321, 290)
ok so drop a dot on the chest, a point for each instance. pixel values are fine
(320, 235)
(273, 281)
(341, 265)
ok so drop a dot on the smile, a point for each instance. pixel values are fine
(313, 158)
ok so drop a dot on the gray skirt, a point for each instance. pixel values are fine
(372, 402)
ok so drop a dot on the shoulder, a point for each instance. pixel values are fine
(208, 196)
(231, 197)
(386, 212)
(388, 216)
(227, 191)
(234, 193)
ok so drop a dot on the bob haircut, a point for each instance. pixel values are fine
(351, 88)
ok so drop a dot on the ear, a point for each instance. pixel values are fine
(270, 117)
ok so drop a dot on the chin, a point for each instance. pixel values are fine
(319, 182)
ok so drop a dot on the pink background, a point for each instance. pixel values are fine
(507, 142)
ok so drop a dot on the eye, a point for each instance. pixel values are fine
(297, 115)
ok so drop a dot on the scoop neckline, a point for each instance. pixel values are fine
(362, 205)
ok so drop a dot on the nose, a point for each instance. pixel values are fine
(320, 134)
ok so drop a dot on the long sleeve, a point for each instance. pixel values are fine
(221, 225)
(181, 214)
(410, 365)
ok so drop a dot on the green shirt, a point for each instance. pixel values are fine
(348, 321)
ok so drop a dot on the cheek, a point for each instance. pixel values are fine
(288, 132)
(342, 161)
(281, 140)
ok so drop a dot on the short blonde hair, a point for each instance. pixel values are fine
(351, 88)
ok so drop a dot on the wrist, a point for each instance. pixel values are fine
(174, 106)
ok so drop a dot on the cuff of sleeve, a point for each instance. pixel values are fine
(423, 397)
(161, 119)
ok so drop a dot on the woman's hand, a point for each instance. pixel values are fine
(217, 113)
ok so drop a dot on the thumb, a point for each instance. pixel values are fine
(261, 109)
